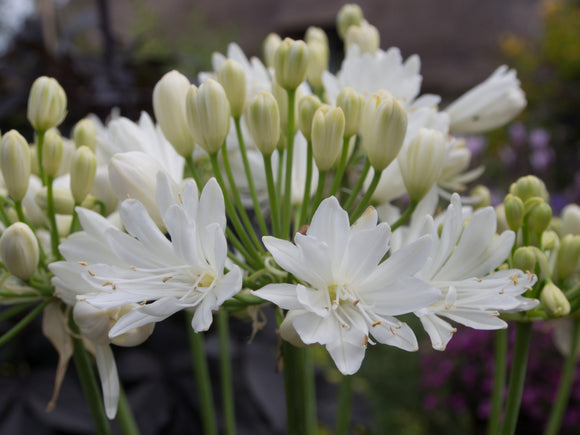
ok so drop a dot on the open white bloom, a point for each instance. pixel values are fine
(491, 104)
(347, 295)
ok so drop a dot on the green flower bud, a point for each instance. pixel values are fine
(317, 63)
(554, 301)
(529, 186)
(46, 104)
(366, 36)
(540, 217)
(271, 44)
(169, 107)
(290, 63)
(349, 15)
(82, 173)
(524, 259)
(327, 134)
(383, 129)
(316, 34)
(568, 256)
(352, 104)
(514, 211)
(421, 162)
(502, 224)
(482, 195)
(52, 153)
(85, 133)
(550, 240)
(232, 77)
(19, 250)
(208, 115)
(263, 120)
(571, 219)
(307, 106)
(15, 164)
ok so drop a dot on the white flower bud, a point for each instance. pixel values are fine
(290, 63)
(208, 115)
(568, 256)
(263, 120)
(82, 173)
(85, 133)
(316, 34)
(136, 336)
(169, 108)
(15, 164)
(232, 77)
(571, 219)
(366, 36)
(349, 15)
(19, 250)
(271, 44)
(93, 322)
(327, 134)
(554, 301)
(46, 104)
(317, 63)
(63, 200)
(383, 129)
(307, 106)
(421, 162)
(352, 104)
(52, 153)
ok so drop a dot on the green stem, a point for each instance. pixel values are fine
(319, 190)
(249, 256)
(125, 418)
(226, 373)
(279, 175)
(517, 377)
(499, 379)
(12, 332)
(194, 174)
(344, 406)
(405, 216)
(310, 392)
(274, 207)
(358, 186)
(365, 201)
(566, 382)
(39, 146)
(203, 380)
(54, 237)
(307, 183)
(3, 215)
(294, 386)
(340, 169)
(14, 310)
(75, 224)
(289, 156)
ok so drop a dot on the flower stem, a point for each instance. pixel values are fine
(39, 146)
(344, 406)
(517, 377)
(194, 174)
(319, 190)
(294, 386)
(310, 392)
(307, 184)
(125, 417)
(499, 378)
(54, 237)
(12, 332)
(12, 311)
(75, 224)
(341, 165)
(203, 379)
(566, 382)
(272, 196)
(226, 373)
(364, 202)
(358, 186)
(289, 155)
(405, 216)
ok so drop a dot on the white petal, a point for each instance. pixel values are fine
(440, 332)
(313, 328)
(314, 300)
(348, 350)
(364, 251)
(154, 312)
(283, 295)
(394, 333)
(109, 378)
(405, 295)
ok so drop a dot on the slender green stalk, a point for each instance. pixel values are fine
(249, 256)
(75, 224)
(340, 168)
(358, 186)
(12, 332)
(125, 417)
(405, 216)
(517, 377)
(319, 190)
(226, 373)
(279, 175)
(251, 185)
(499, 379)
(307, 184)
(569, 369)
(310, 392)
(39, 146)
(344, 406)
(274, 207)
(294, 386)
(203, 380)
(239, 262)
(194, 174)
(14, 310)
(289, 157)
(3, 215)
(364, 202)
(54, 237)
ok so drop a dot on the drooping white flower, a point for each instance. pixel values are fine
(347, 295)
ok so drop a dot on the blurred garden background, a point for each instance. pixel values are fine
(109, 54)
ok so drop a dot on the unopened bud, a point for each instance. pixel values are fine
(514, 211)
(540, 217)
(529, 186)
(15, 164)
(307, 106)
(136, 336)
(482, 195)
(271, 44)
(46, 104)
(550, 240)
(317, 63)
(52, 153)
(366, 36)
(282, 98)
(290, 63)
(232, 77)
(62, 200)
(571, 219)
(502, 224)
(349, 15)
(525, 259)
(82, 173)
(568, 256)
(19, 250)
(554, 301)
(316, 34)
(263, 120)
(327, 134)
(85, 133)
(352, 104)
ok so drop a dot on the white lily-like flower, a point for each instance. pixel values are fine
(347, 295)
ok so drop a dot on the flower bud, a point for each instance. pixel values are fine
(15, 164)
(482, 195)
(540, 217)
(568, 256)
(550, 240)
(327, 134)
(524, 259)
(554, 301)
(349, 15)
(383, 129)
(136, 336)
(317, 63)
(271, 44)
(263, 120)
(290, 63)
(63, 200)
(232, 77)
(529, 186)
(52, 153)
(514, 211)
(316, 34)
(502, 224)
(352, 104)
(82, 173)
(46, 104)
(85, 133)
(93, 322)
(307, 106)
(19, 250)
(169, 108)
(571, 219)
(282, 98)
(208, 115)
(421, 162)
(366, 36)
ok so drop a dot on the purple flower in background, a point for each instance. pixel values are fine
(539, 138)
(508, 156)
(541, 158)
(518, 135)
(476, 144)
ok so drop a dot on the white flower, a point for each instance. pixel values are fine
(347, 295)
(491, 104)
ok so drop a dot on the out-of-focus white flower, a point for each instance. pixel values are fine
(365, 36)
(491, 104)
(347, 295)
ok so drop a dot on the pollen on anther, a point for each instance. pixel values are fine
(355, 302)
(514, 279)
(167, 278)
(107, 283)
(344, 325)
(90, 272)
(496, 314)
(82, 299)
(133, 268)
(366, 341)
(502, 291)
(392, 330)
(378, 322)
(326, 307)
(453, 331)
(180, 198)
(83, 263)
(143, 302)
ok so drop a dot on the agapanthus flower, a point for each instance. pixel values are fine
(345, 295)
